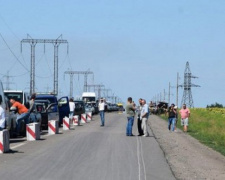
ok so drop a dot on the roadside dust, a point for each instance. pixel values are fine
(187, 157)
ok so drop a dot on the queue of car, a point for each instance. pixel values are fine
(47, 107)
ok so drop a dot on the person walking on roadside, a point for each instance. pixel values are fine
(185, 114)
(101, 107)
(130, 111)
(144, 117)
(2, 116)
(22, 111)
(140, 130)
(72, 108)
(171, 117)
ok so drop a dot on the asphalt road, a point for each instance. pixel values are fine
(89, 152)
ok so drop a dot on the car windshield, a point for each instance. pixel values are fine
(18, 96)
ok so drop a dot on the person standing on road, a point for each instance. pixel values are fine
(101, 107)
(140, 130)
(31, 102)
(2, 116)
(130, 110)
(185, 114)
(72, 108)
(171, 117)
(22, 111)
(144, 117)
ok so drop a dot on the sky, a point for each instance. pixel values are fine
(133, 47)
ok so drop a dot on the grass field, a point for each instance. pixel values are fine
(208, 126)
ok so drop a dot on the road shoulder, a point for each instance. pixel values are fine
(187, 157)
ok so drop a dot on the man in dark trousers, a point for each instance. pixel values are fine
(140, 130)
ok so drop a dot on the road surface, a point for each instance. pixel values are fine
(89, 152)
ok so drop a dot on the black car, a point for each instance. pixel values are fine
(79, 108)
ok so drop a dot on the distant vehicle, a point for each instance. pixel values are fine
(79, 108)
(18, 95)
(89, 97)
(58, 106)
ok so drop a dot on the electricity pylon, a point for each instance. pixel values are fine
(187, 94)
(71, 73)
(33, 42)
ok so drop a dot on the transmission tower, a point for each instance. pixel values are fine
(33, 42)
(98, 86)
(71, 73)
(187, 95)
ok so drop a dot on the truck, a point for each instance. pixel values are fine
(88, 97)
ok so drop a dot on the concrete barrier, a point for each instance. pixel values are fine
(66, 123)
(75, 120)
(89, 116)
(53, 127)
(33, 131)
(83, 119)
(4, 141)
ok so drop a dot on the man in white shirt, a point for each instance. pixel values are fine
(72, 107)
(101, 107)
(144, 118)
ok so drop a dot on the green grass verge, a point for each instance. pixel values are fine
(208, 126)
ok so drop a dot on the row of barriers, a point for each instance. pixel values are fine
(33, 129)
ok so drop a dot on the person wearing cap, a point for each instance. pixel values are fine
(101, 107)
(185, 114)
(171, 117)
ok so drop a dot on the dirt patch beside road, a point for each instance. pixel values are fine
(187, 157)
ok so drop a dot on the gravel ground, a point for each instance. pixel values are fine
(187, 157)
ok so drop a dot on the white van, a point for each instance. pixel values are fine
(18, 95)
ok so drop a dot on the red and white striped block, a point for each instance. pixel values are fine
(33, 131)
(83, 119)
(75, 120)
(53, 127)
(4, 141)
(89, 116)
(66, 123)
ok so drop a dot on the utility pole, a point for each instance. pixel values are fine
(187, 94)
(177, 89)
(7, 82)
(169, 95)
(33, 42)
(71, 73)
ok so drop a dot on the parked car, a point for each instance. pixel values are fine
(79, 108)
(57, 108)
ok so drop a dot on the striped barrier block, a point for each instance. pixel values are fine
(53, 127)
(66, 123)
(75, 120)
(83, 119)
(4, 141)
(89, 116)
(33, 131)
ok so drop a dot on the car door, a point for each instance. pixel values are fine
(64, 109)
